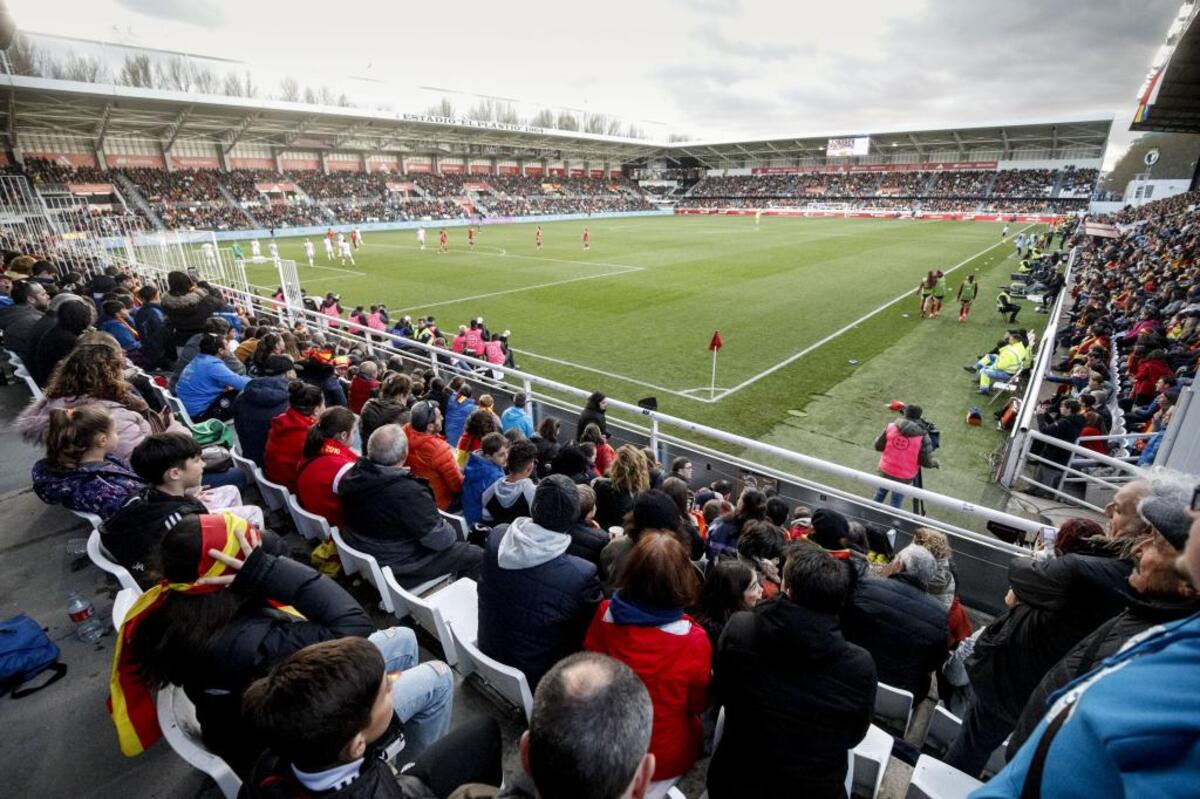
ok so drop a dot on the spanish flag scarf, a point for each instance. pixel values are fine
(131, 703)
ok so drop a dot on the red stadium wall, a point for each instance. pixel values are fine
(252, 163)
(1043, 218)
(151, 161)
(195, 162)
(343, 166)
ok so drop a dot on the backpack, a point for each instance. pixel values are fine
(25, 652)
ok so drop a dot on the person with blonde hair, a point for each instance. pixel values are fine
(627, 477)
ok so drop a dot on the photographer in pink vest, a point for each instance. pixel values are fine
(906, 446)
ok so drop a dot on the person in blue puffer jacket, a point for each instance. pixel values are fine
(484, 467)
(1128, 728)
(458, 408)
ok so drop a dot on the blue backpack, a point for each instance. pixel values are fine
(25, 652)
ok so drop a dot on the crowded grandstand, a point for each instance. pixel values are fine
(326, 546)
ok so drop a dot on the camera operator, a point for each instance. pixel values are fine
(907, 445)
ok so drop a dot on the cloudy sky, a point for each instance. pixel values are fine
(712, 69)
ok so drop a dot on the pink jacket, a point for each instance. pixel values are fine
(132, 427)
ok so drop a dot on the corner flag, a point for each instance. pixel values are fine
(716, 342)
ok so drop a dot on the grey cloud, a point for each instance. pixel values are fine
(193, 12)
(756, 51)
(720, 74)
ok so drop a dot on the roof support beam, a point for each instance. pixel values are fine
(175, 127)
(240, 131)
(916, 145)
(962, 151)
(102, 126)
(1004, 140)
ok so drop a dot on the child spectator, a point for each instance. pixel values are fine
(80, 471)
(485, 466)
(327, 458)
(285, 440)
(511, 497)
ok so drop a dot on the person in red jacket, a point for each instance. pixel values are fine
(285, 439)
(327, 457)
(1146, 373)
(364, 385)
(645, 627)
(430, 457)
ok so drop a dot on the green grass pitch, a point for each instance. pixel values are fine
(633, 315)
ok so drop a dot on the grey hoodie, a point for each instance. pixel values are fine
(527, 544)
(508, 493)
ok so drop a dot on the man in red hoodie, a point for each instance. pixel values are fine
(364, 385)
(430, 457)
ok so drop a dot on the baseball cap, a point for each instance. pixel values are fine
(277, 365)
(423, 414)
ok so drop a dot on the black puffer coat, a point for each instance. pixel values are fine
(189, 313)
(261, 400)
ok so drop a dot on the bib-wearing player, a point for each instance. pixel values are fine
(347, 253)
(925, 290)
(587, 239)
(471, 236)
(939, 292)
(966, 295)
(443, 242)
(537, 237)
(310, 250)
(1020, 243)
(1004, 233)
(757, 217)
(421, 237)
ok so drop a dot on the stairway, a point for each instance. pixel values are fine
(233, 201)
(1059, 176)
(131, 194)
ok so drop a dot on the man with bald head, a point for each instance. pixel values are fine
(1124, 522)
(588, 735)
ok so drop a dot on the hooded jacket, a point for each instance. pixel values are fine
(900, 458)
(592, 414)
(151, 322)
(515, 418)
(261, 400)
(378, 412)
(285, 447)
(205, 379)
(273, 778)
(457, 411)
(478, 477)
(361, 390)
(504, 502)
(903, 627)
(132, 427)
(188, 352)
(431, 458)
(190, 312)
(535, 601)
(786, 669)
(100, 487)
(132, 534)
(391, 514)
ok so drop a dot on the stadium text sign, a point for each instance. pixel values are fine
(945, 166)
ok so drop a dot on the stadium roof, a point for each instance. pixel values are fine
(1170, 97)
(97, 111)
(1086, 132)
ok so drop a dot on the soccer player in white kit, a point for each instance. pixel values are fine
(273, 248)
(1004, 233)
(1020, 242)
(310, 250)
(421, 237)
(210, 253)
(255, 249)
(328, 249)
(346, 252)
(358, 239)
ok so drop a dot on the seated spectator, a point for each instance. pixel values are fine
(210, 627)
(391, 513)
(216, 326)
(263, 398)
(31, 302)
(511, 496)
(458, 409)
(158, 351)
(46, 351)
(116, 323)
(644, 625)
(615, 493)
(327, 457)
(677, 490)
(93, 374)
(318, 369)
(207, 387)
(587, 539)
(516, 417)
(285, 440)
(731, 586)
(588, 733)
(485, 466)
(80, 471)
(652, 510)
(573, 463)
(605, 454)
(430, 457)
(546, 441)
(323, 713)
(831, 531)
(480, 423)
(390, 407)
(760, 546)
(363, 386)
(895, 619)
(188, 307)
(595, 412)
(785, 667)
(723, 534)
(535, 600)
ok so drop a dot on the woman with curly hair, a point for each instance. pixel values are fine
(93, 374)
(481, 422)
(627, 477)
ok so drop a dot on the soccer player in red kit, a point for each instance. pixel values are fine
(442, 242)
(471, 237)
(354, 238)
(587, 239)
(537, 236)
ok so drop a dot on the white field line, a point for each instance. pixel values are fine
(624, 271)
(614, 375)
(502, 253)
(810, 348)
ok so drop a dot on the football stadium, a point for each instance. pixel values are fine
(391, 440)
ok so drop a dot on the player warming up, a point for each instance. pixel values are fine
(537, 237)
(356, 238)
(310, 252)
(443, 242)
(587, 239)
(966, 295)
(925, 291)
(939, 293)
(471, 236)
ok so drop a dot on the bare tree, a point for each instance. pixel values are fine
(507, 115)
(635, 132)
(595, 123)
(325, 96)
(205, 81)
(24, 56)
(86, 69)
(289, 90)
(566, 121)
(137, 72)
(175, 73)
(343, 101)
(543, 119)
(613, 128)
(482, 111)
(231, 86)
(310, 96)
(678, 137)
(249, 89)
(443, 108)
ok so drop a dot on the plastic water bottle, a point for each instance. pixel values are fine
(83, 613)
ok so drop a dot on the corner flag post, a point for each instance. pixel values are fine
(714, 345)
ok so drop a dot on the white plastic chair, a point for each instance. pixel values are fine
(870, 761)
(893, 708)
(98, 556)
(275, 495)
(943, 728)
(30, 383)
(177, 408)
(309, 525)
(933, 779)
(355, 561)
(177, 718)
(506, 680)
(121, 604)
(456, 603)
(459, 523)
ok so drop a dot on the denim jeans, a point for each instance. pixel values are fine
(233, 476)
(423, 694)
(897, 497)
(983, 730)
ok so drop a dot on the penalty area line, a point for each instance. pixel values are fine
(519, 289)
(613, 375)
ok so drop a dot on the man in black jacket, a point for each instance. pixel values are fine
(893, 617)
(1161, 595)
(1067, 427)
(797, 695)
(391, 514)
